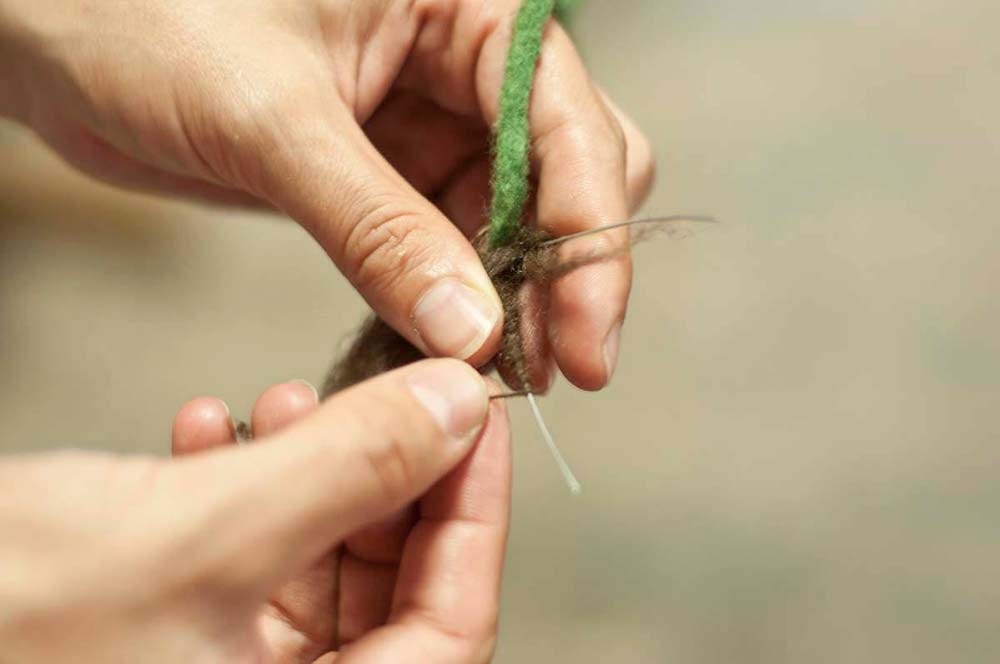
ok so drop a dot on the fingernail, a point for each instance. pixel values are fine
(611, 343)
(229, 417)
(454, 320)
(453, 394)
(301, 381)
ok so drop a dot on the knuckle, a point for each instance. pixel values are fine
(386, 244)
(614, 132)
(387, 459)
(226, 580)
(587, 138)
(484, 11)
(482, 640)
(433, 8)
(476, 640)
(260, 136)
(644, 161)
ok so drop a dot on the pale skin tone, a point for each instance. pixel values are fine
(394, 572)
(368, 124)
(227, 553)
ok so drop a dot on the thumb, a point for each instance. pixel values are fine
(412, 265)
(359, 457)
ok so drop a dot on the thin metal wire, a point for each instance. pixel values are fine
(567, 473)
(509, 395)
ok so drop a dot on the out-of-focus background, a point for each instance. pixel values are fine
(799, 459)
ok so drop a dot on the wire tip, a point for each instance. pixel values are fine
(574, 485)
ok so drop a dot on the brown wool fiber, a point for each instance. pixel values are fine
(377, 348)
(531, 255)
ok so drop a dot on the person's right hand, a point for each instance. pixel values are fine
(367, 121)
(223, 555)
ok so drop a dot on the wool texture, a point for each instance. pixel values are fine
(512, 145)
(513, 253)
(531, 256)
(377, 348)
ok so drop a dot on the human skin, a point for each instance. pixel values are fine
(226, 554)
(366, 122)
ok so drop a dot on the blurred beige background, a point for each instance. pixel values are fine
(798, 460)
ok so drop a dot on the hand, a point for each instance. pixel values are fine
(366, 121)
(226, 555)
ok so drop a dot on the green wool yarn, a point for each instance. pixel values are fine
(512, 149)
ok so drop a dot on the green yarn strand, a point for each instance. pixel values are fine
(512, 150)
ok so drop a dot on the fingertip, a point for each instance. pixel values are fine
(200, 424)
(587, 310)
(455, 319)
(582, 362)
(479, 488)
(281, 404)
(584, 375)
(490, 346)
(453, 394)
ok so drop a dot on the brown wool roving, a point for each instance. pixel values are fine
(509, 250)
(514, 253)
(377, 348)
(531, 255)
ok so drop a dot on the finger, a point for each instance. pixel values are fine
(466, 199)
(282, 405)
(448, 590)
(581, 164)
(409, 262)
(361, 456)
(307, 601)
(365, 597)
(368, 568)
(201, 424)
(640, 164)
(425, 143)
(381, 543)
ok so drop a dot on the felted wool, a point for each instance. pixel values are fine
(509, 250)
(531, 255)
(377, 348)
(512, 146)
(512, 253)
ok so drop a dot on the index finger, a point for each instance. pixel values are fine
(448, 589)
